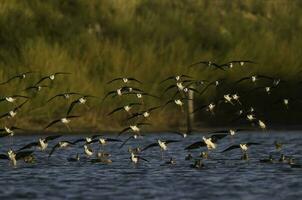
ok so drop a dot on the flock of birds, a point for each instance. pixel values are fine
(137, 115)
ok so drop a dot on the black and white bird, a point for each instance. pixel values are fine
(136, 128)
(8, 131)
(60, 145)
(145, 114)
(122, 91)
(136, 158)
(232, 131)
(65, 95)
(209, 64)
(125, 80)
(127, 108)
(13, 157)
(36, 88)
(162, 144)
(51, 77)
(13, 98)
(244, 147)
(18, 76)
(65, 120)
(210, 142)
(80, 101)
(178, 78)
(13, 113)
(42, 143)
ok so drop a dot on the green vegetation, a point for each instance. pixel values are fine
(97, 40)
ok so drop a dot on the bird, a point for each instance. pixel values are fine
(240, 62)
(82, 100)
(18, 76)
(213, 83)
(42, 143)
(208, 64)
(88, 151)
(207, 142)
(122, 91)
(232, 132)
(61, 144)
(65, 95)
(13, 113)
(146, 113)
(51, 77)
(13, 157)
(126, 108)
(124, 80)
(177, 78)
(36, 88)
(13, 98)
(134, 128)
(244, 147)
(65, 120)
(8, 131)
(179, 102)
(162, 144)
(135, 158)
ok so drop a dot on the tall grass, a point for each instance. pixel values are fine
(98, 40)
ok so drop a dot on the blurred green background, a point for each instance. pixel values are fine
(97, 40)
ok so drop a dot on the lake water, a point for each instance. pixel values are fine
(225, 176)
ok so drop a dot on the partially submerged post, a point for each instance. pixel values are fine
(190, 109)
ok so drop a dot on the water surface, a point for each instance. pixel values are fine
(225, 176)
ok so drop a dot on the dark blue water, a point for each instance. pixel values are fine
(225, 176)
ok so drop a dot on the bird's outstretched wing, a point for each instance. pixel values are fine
(52, 137)
(52, 123)
(150, 146)
(196, 145)
(28, 146)
(231, 148)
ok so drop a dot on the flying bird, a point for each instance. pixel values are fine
(65, 120)
(124, 80)
(52, 77)
(18, 76)
(207, 142)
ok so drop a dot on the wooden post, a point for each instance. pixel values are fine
(190, 109)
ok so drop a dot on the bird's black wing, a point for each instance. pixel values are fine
(134, 79)
(115, 110)
(113, 80)
(53, 149)
(169, 78)
(131, 137)
(4, 157)
(23, 154)
(171, 141)
(52, 137)
(28, 146)
(62, 73)
(196, 145)
(242, 79)
(72, 106)
(41, 80)
(4, 115)
(217, 137)
(10, 79)
(150, 146)
(231, 148)
(52, 123)
(123, 131)
(58, 95)
(112, 140)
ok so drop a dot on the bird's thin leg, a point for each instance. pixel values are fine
(68, 127)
